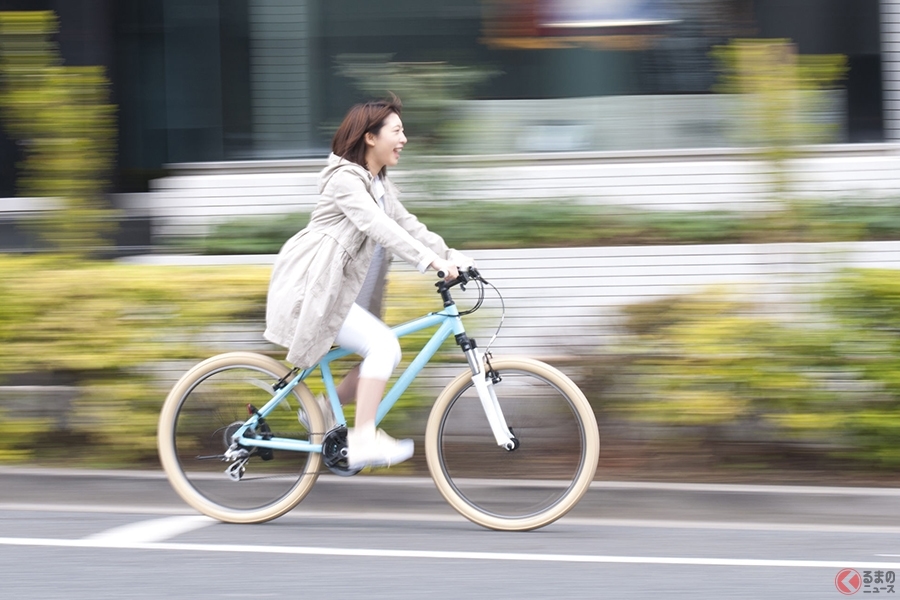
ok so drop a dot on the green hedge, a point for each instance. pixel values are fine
(713, 366)
(99, 328)
(699, 364)
(560, 224)
(105, 329)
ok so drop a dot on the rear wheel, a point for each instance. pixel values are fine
(532, 485)
(201, 413)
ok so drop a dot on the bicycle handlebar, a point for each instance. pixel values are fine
(465, 276)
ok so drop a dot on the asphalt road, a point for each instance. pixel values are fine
(92, 534)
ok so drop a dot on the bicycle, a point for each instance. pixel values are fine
(519, 421)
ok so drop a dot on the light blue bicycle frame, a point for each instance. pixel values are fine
(450, 324)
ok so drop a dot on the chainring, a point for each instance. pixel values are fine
(334, 452)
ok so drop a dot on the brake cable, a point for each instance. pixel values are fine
(481, 283)
(487, 350)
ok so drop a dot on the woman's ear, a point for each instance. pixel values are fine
(370, 139)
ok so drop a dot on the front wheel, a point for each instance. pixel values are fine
(539, 481)
(200, 415)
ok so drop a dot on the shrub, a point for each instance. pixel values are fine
(830, 379)
(107, 331)
(102, 328)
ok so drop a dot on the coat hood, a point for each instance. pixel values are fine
(337, 164)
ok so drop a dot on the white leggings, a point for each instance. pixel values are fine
(364, 334)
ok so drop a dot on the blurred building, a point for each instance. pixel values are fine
(220, 80)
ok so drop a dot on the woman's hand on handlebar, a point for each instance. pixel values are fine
(446, 269)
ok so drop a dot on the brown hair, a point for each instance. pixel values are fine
(349, 140)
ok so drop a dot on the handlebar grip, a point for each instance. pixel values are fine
(441, 274)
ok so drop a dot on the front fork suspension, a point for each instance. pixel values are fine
(484, 380)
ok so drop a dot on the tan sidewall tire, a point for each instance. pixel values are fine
(172, 467)
(585, 476)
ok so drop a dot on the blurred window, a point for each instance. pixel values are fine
(212, 80)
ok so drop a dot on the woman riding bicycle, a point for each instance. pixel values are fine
(328, 280)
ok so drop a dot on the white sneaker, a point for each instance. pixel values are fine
(324, 408)
(380, 450)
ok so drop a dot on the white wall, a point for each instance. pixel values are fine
(565, 303)
(198, 195)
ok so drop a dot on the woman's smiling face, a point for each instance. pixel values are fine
(384, 147)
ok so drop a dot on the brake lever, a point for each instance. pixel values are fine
(474, 274)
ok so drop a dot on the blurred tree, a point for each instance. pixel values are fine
(62, 117)
(783, 101)
(430, 91)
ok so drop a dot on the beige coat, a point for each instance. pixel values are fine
(319, 271)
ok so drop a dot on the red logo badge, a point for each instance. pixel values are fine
(848, 582)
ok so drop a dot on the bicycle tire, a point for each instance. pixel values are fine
(193, 429)
(533, 485)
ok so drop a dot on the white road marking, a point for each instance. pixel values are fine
(449, 555)
(154, 530)
(116, 509)
(451, 517)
